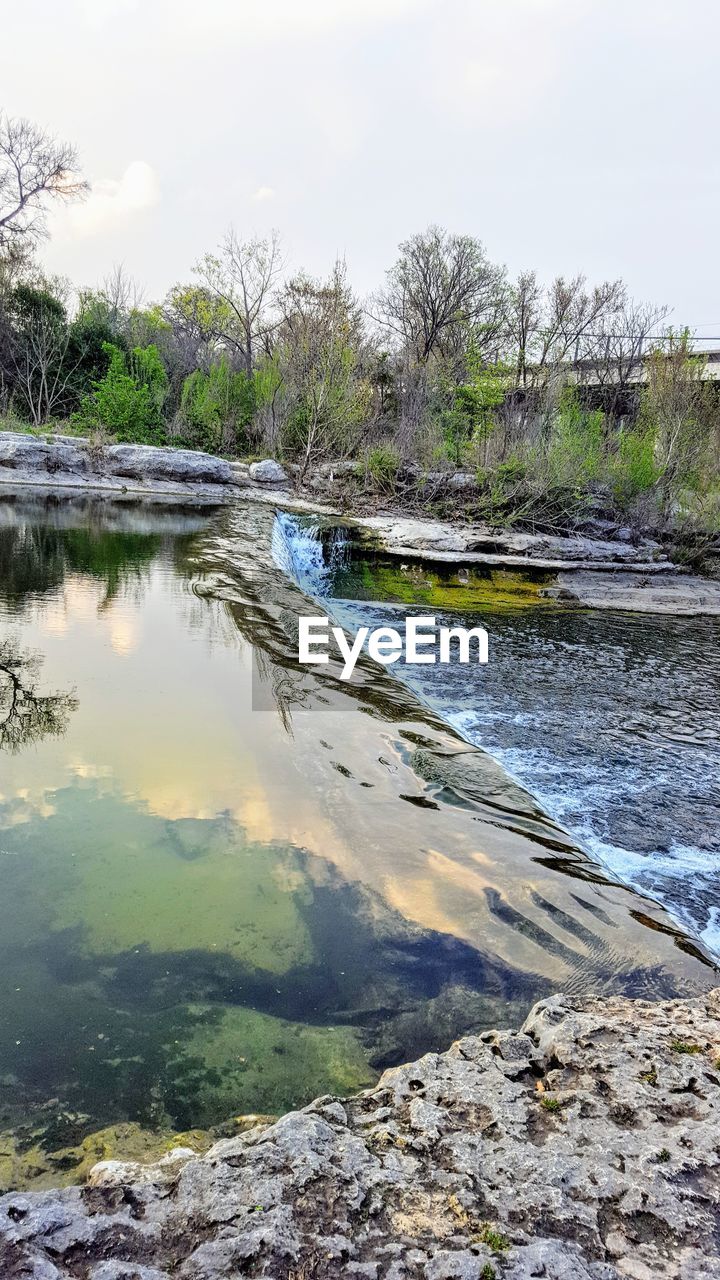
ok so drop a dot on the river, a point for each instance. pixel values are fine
(611, 720)
(229, 885)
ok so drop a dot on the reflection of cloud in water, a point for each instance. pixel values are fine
(54, 617)
(171, 722)
(86, 769)
(417, 900)
(25, 806)
(83, 601)
(124, 631)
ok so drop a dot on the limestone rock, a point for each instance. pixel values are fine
(268, 472)
(144, 461)
(437, 540)
(66, 461)
(48, 455)
(678, 594)
(584, 1147)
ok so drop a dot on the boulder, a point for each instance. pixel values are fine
(67, 460)
(150, 462)
(47, 455)
(268, 472)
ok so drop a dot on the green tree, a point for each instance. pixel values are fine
(128, 400)
(326, 396)
(471, 415)
(37, 359)
(216, 407)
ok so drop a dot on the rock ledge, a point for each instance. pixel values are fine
(586, 1145)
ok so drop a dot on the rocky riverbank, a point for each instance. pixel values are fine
(609, 572)
(73, 463)
(584, 1147)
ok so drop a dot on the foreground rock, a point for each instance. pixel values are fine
(67, 462)
(584, 1147)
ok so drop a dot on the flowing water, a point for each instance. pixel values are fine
(611, 720)
(227, 884)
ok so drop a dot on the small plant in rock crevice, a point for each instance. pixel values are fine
(683, 1046)
(494, 1239)
(550, 1104)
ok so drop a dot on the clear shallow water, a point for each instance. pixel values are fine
(227, 885)
(611, 720)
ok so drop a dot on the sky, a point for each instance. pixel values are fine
(568, 135)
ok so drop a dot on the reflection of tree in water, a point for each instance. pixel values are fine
(27, 716)
(31, 561)
(112, 557)
(36, 558)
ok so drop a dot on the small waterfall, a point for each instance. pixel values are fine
(309, 551)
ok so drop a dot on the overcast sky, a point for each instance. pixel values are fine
(569, 135)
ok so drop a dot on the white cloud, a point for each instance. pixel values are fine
(112, 201)
(263, 193)
(99, 12)
(277, 18)
(182, 20)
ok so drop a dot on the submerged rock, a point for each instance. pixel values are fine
(585, 1145)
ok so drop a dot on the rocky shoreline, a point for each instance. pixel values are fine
(610, 572)
(585, 1146)
(64, 463)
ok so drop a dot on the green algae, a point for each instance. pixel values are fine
(469, 589)
(128, 878)
(254, 1060)
(32, 1165)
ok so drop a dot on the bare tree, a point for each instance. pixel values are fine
(672, 408)
(572, 316)
(121, 294)
(614, 358)
(523, 316)
(320, 342)
(39, 339)
(440, 284)
(244, 276)
(35, 168)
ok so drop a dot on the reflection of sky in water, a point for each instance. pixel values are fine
(248, 914)
(611, 721)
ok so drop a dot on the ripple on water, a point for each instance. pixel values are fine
(612, 721)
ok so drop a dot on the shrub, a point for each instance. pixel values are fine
(633, 470)
(575, 448)
(456, 428)
(128, 401)
(382, 465)
(216, 407)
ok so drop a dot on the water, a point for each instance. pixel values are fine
(611, 720)
(208, 908)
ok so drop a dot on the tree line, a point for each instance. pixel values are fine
(553, 398)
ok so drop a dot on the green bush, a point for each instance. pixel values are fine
(216, 407)
(512, 471)
(128, 401)
(575, 448)
(456, 427)
(382, 465)
(633, 469)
